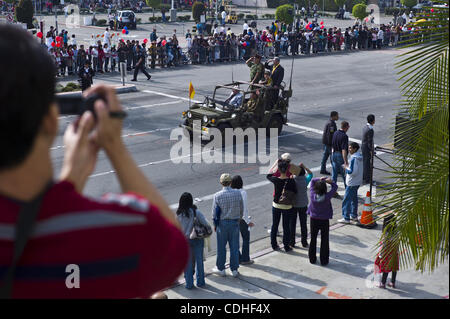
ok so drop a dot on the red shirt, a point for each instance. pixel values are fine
(122, 245)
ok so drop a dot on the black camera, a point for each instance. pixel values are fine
(77, 105)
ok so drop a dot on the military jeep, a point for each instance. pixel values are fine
(272, 105)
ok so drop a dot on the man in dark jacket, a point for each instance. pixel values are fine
(327, 138)
(277, 75)
(140, 64)
(367, 148)
(86, 74)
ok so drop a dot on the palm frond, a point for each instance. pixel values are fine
(417, 194)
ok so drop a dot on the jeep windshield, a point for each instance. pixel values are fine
(229, 97)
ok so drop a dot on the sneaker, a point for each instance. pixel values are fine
(325, 173)
(133, 80)
(235, 273)
(305, 245)
(248, 262)
(288, 249)
(148, 79)
(343, 221)
(354, 221)
(276, 248)
(216, 271)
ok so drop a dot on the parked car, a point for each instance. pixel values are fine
(126, 18)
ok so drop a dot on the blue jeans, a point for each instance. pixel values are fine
(337, 161)
(245, 255)
(228, 232)
(350, 203)
(326, 154)
(195, 258)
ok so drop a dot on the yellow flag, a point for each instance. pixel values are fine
(191, 91)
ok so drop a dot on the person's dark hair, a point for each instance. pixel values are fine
(370, 118)
(344, 125)
(26, 92)
(236, 182)
(186, 202)
(333, 113)
(283, 166)
(320, 187)
(355, 146)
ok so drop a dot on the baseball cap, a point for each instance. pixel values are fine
(225, 178)
(286, 157)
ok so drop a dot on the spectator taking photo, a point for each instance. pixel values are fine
(125, 245)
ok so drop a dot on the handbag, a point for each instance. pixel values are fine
(200, 230)
(287, 197)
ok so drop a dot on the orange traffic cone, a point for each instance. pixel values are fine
(366, 219)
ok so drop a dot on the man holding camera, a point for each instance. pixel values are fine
(125, 245)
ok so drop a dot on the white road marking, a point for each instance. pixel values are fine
(171, 96)
(128, 135)
(131, 108)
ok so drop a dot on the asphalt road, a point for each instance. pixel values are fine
(354, 84)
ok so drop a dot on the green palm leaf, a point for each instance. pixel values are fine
(417, 194)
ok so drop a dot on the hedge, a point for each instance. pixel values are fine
(100, 23)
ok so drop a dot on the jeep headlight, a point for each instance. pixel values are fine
(233, 115)
(205, 119)
(189, 114)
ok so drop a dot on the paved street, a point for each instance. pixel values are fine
(354, 84)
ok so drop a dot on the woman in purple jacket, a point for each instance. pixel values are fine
(320, 212)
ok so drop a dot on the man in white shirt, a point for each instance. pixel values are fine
(380, 36)
(245, 26)
(245, 223)
(234, 101)
(73, 41)
(224, 16)
(107, 37)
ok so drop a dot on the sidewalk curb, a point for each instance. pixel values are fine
(128, 88)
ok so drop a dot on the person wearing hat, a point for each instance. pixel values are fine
(256, 68)
(292, 168)
(235, 98)
(266, 80)
(86, 74)
(228, 210)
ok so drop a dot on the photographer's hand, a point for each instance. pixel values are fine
(81, 153)
(108, 136)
